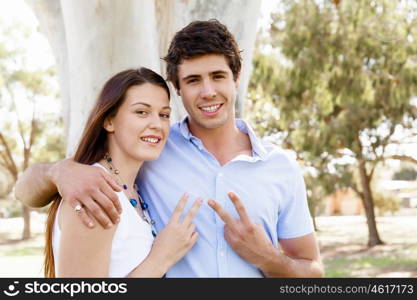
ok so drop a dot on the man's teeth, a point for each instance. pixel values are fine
(210, 108)
(150, 140)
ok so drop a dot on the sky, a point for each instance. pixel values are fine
(17, 11)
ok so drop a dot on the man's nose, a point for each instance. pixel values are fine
(208, 90)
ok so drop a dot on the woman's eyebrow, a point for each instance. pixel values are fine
(148, 105)
(143, 103)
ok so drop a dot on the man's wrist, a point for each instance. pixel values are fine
(55, 169)
(269, 260)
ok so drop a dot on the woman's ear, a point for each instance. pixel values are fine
(108, 124)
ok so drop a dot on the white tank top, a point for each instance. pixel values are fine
(131, 244)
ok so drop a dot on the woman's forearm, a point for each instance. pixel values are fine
(150, 267)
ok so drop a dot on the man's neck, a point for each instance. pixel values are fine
(224, 143)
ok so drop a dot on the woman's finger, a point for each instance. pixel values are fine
(179, 208)
(192, 212)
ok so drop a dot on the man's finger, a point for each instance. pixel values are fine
(112, 196)
(113, 184)
(95, 210)
(192, 212)
(221, 212)
(107, 205)
(179, 208)
(83, 215)
(241, 210)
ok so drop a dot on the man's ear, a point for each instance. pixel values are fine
(108, 124)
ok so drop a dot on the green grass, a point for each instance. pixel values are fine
(27, 251)
(345, 267)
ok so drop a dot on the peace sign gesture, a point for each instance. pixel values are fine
(247, 238)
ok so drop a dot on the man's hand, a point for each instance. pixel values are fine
(246, 238)
(91, 187)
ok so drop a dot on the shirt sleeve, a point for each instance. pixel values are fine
(294, 218)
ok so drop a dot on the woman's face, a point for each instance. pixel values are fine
(140, 128)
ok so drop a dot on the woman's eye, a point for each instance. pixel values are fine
(166, 116)
(141, 112)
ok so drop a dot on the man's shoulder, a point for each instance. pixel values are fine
(279, 155)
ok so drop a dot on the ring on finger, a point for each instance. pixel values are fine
(77, 208)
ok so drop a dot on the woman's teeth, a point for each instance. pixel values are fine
(150, 140)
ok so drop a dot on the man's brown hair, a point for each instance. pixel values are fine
(199, 38)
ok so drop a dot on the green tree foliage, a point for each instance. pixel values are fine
(409, 174)
(338, 85)
(27, 133)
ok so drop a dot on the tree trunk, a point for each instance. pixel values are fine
(368, 203)
(26, 234)
(315, 223)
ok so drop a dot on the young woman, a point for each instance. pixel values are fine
(128, 125)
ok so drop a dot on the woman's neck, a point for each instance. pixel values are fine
(127, 167)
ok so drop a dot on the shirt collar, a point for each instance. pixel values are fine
(258, 148)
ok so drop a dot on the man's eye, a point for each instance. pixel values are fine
(192, 81)
(218, 76)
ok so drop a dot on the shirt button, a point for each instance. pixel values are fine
(221, 253)
(220, 174)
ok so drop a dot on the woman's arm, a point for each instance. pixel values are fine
(86, 252)
(83, 252)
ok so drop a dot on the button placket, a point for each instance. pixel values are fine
(221, 195)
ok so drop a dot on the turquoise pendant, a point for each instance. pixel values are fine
(133, 202)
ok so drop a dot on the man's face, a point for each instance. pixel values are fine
(208, 91)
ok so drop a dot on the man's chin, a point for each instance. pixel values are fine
(211, 124)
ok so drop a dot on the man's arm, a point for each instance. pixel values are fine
(34, 187)
(78, 184)
(299, 256)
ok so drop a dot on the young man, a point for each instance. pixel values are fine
(258, 223)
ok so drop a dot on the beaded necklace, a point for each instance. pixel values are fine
(144, 212)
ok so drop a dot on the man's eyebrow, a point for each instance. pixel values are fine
(197, 75)
(219, 72)
(191, 76)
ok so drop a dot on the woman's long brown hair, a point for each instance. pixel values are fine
(93, 143)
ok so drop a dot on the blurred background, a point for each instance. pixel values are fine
(334, 82)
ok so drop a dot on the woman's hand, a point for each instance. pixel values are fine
(178, 237)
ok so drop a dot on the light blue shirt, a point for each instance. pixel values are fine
(269, 184)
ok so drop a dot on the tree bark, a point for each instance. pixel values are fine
(368, 203)
(26, 234)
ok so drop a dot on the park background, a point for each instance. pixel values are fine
(332, 82)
